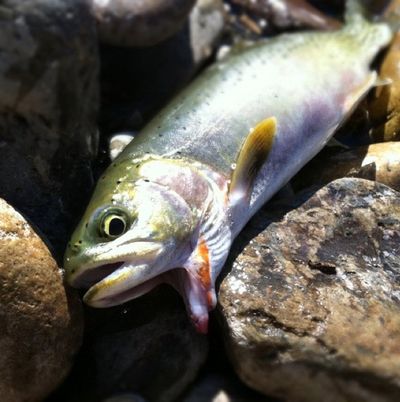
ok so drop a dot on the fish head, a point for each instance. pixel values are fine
(133, 231)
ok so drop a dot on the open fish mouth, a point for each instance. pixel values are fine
(120, 286)
(129, 282)
(92, 276)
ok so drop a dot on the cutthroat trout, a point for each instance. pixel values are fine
(170, 205)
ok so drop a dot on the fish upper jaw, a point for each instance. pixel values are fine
(94, 265)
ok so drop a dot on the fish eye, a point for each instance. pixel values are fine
(113, 224)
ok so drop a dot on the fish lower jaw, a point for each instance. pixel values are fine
(197, 299)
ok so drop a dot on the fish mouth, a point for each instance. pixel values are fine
(130, 281)
(92, 276)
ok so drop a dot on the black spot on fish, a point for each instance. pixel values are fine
(138, 166)
(80, 241)
(118, 181)
(160, 135)
(146, 180)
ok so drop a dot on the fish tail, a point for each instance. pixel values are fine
(370, 36)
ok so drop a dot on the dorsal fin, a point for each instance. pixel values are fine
(254, 152)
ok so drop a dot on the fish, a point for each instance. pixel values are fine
(170, 205)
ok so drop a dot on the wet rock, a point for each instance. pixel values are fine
(137, 82)
(146, 347)
(125, 398)
(222, 387)
(385, 104)
(289, 13)
(118, 143)
(40, 321)
(311, 307)
(139, 23)
(48, 103)
(378, 162)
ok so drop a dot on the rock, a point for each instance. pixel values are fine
(118, 143)
(384, 106)
(289, 13)
(311, 307)
(378, 162)
(146, 347)
(221, 387)
(48, 104)
(125, 398)
(206, 24)
(139, 23)
(137, 82)
(40, 321)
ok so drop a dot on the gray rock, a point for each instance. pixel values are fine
(41, 322)
(136, 82)
(146, 347)
(311, 307)
(140, 22)
(221, 387)
(48, 105)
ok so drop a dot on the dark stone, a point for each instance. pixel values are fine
(147, 347)
(48, 107)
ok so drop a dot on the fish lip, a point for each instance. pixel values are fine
(103, 294)
(93, 272)
(90, 276)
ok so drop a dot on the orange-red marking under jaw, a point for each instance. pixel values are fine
(199, 292)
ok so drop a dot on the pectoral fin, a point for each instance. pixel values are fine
(252, 156)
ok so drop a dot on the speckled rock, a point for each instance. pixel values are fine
(147, 347)
(41, 322)
(311, 307)
(137, 82)
(48, 104)
(378, 162)
(139, 22)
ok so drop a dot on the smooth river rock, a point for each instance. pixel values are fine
(310, 309)
(41, 322)
(48, 107)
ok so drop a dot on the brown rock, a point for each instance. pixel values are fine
(311, 307)
(385, 104)
(290, 13)
(48, 110)
(378, 162)
(41, 324)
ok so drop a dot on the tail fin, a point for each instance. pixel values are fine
(356, 13)
(371, 36)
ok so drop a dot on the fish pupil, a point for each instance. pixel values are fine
(116, 227)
